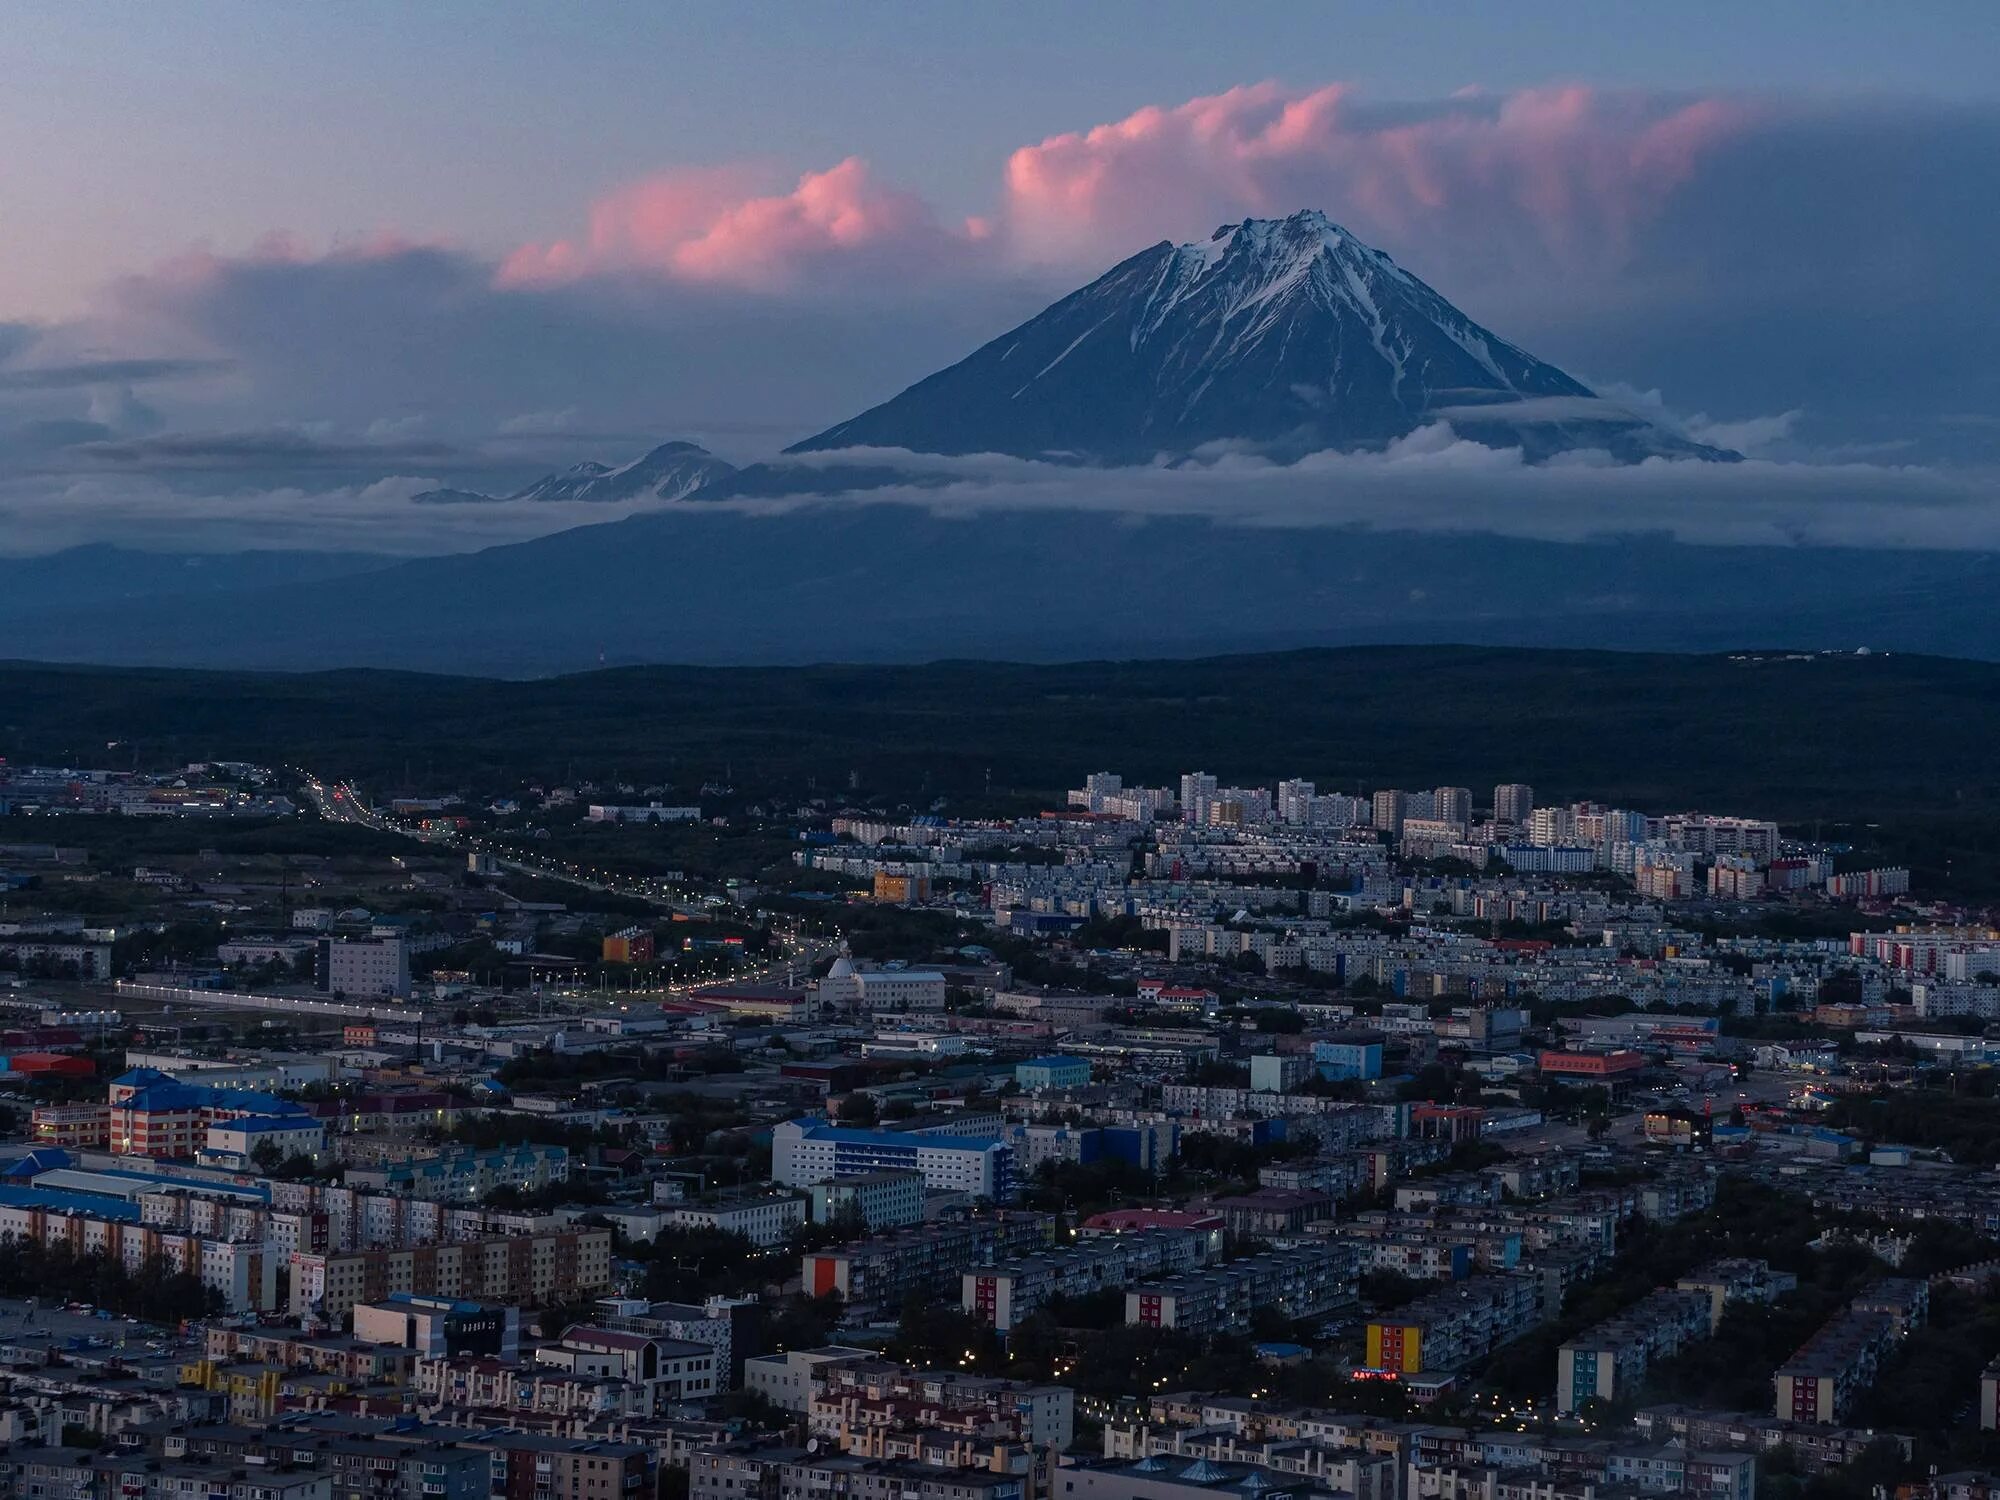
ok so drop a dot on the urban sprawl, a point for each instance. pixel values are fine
(598, 1141)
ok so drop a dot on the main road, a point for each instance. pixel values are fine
(338, 802)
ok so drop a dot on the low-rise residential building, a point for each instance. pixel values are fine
(1609, 1361)
(1308, 1281)
(459, 1175)
(1004, 1293)
(1457, 1324)
(787, 1380)
(886, 1268)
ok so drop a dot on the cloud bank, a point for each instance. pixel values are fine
(1434, 480)
(1438, 481)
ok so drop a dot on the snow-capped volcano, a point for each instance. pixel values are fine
(1286, 334)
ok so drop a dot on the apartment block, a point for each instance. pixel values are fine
(1307, 1282)
(762, 1218)
(1003, 1294)
(806, 1152)
(530, 1466)
(244, 1272)
(1826, 1373)
(886, 1268)
(850, 1397)
(880, 1200)
(528, 1269)
(791, 1474)
(461, 1175)
(1455, 1325)
(1609, 1361)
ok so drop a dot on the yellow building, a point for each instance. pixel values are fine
(902, 889)
(1398, 1347)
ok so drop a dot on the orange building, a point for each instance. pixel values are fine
(1614, 1064)
(632, 946)
(901, 889)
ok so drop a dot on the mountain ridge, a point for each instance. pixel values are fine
(671, 471)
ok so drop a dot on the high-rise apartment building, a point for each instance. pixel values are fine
(1452, 804)
(1389, 812)
(1295, 801)
(1197, 792)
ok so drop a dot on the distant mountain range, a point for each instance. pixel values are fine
(1284, 337)
(844, 581)
(672, 471)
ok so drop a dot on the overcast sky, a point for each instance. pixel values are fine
(279, 251)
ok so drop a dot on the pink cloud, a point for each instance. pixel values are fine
(1476, 186)
(704, 226)
(1569, 171)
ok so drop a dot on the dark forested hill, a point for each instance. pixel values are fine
(1823, 736)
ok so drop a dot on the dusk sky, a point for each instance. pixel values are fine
(276, 250)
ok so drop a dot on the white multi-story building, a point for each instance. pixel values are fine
(883, 1200)
(1197, 792)
(236, 1144)
(1295, 801)
(364, 968)
(761, 1218)
(651, 812)
(1706, 833)
(807, 1152)
(849, 986)
(1549, 826)
(245, 1272)
(1513, 803)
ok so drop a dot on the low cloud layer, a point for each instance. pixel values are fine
(1436, 480)
(379, 517)
(1432, 481)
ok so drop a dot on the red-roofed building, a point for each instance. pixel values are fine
(1446, 1122)
(1620, 1063)
(1134, 1220)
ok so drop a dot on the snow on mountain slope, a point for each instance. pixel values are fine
(1288, 335)
(672, 471)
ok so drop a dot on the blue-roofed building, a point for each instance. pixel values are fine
(47, 1159)
(133, 1183)
(133, 1079)
(56, 1200)
(1054, 1072)
(805, 1153)
(150, 1114)
(466, 1175)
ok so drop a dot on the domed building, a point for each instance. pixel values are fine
(841, 988)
